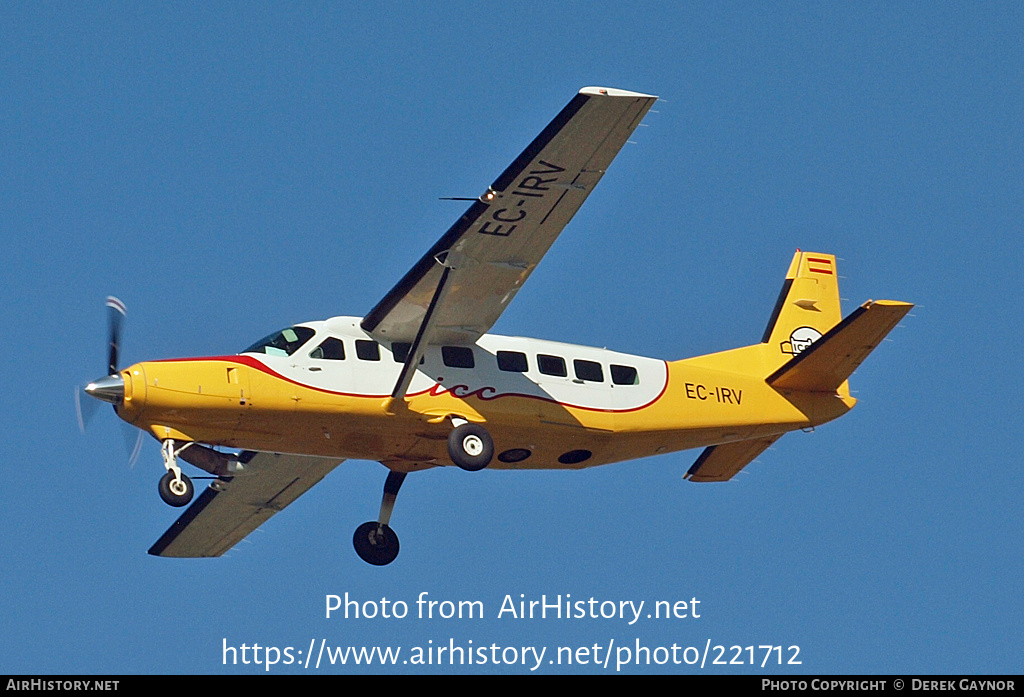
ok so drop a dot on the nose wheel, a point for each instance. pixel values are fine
(175, 491)
(175, 488)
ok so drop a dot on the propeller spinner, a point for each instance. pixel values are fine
(111, 388)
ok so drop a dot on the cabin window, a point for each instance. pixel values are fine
(625, 375)
(367, 350)
(551, 365)
(400, 351)
(282, 343)
(330, 349)
(512, 361)
(588, 370)
(457, 356)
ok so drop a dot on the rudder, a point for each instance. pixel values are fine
(808, 305)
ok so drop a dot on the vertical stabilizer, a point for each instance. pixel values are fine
(808, 305)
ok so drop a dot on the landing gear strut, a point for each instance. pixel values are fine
(175, 488)
(375, 542)
(470, 447)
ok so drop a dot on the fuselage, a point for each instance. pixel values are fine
(546, 404)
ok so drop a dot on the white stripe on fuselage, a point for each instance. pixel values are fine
(354, 376)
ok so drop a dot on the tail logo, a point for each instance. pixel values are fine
(799, 340)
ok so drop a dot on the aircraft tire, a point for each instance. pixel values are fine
(375, 543)
(470, 447)
(174, 493)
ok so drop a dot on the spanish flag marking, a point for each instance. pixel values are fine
(819, 265)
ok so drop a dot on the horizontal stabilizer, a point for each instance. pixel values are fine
(720, 463)
(828, 362)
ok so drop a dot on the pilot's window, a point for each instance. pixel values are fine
(282, 343)
(624, 375)
(551, 365)
(400, 351)
(512, 361)
(588, 370)
(367, 350)
(457, 356)
(330, 349)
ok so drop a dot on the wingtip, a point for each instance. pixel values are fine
(613, 92)
(899, 304)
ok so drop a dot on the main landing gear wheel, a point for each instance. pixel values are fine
(175, 492)
(470, 447)
(375, 543)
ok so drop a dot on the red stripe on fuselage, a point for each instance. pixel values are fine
(432, 391)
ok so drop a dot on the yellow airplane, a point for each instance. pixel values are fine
(418, 382)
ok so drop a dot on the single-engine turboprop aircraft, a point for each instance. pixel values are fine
(418, 382)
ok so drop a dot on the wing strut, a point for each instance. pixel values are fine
(419, 344)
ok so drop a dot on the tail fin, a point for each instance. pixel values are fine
(808, 346)
(808, 305)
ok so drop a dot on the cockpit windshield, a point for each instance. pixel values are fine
(282, 343)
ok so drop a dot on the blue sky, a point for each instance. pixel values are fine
(231, 168)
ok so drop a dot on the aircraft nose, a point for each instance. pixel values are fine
(108, 389)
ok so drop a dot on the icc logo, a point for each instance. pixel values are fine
(800, 339)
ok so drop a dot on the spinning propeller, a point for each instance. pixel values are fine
(110, 388)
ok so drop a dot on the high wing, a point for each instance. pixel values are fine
(233, 507)
(456, 292)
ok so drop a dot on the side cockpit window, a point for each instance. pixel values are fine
(330, 349)
(282, 343)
